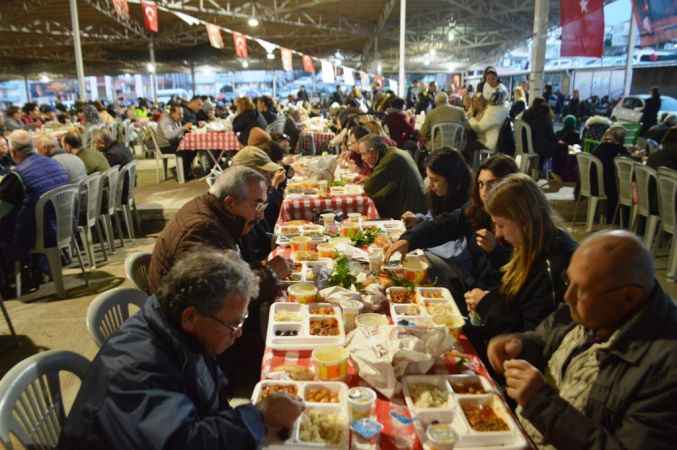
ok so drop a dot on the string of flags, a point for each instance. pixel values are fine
(328, 70)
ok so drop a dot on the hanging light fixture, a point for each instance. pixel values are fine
(245, 64)
(253, 22)
(270, 55)
(150, 67)
(44, 78)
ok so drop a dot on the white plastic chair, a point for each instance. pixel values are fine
(31, 403)
(644, 175)
(136, 269)
(63, 200)
(585, 164)
(447, 134)
(122, 206)
(527, 159)
(111, 178)
(163, 159)
(109, 310)
(625, 172)
(667, 210)
(92, 187)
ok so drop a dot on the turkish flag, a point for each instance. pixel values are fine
(121, 8)
(214, 33)
(286, 59)
(582, 23)
(150, 19)
(308, 65)
(240, 42)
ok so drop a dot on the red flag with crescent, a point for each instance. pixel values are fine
(240, 42)
(150, 19)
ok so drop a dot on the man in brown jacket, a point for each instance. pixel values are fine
(219, 219)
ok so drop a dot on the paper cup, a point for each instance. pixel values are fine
(351, 308)
(331, 363)
(361, 402)
(328, 219)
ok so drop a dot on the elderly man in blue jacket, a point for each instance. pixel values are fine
(155, 384)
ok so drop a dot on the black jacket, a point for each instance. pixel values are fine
(632, 401)
(118, 154)
(663, 158)
(540, 295)
(189, 116)
(243, 124)
(607, 152)
(650, 113)
(152, 387)
(450, 227)
(542, 134)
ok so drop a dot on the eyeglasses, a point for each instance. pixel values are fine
(567, 284)
(230, 326)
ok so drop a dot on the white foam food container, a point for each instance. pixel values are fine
(460, 379)
(307, 272)
(469, 438)
(303, 339)
(285, 233)
(393, 291)
(427, 296)
(444, 412)
(302, 389)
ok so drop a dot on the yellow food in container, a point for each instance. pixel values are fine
(327, 251)
(302, 293)
(302, 243)
(331, 363)
(414, 270)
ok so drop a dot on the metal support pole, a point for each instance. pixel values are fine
(274, 84)
(376, 54)
(403, 37)
(28, 90)
(541, 10)
(627, 80)
(192, 77)
(79, 65)
(153, 73)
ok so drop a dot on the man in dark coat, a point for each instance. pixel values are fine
(155, 384)
(395, 183)
(612, 371)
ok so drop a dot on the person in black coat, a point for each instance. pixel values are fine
(539, 117)
(667, 155)
(610, 148)
(563, 164)
(247, 118)
(532, 282)
(155, 382)
(650, 112)
(470, 222)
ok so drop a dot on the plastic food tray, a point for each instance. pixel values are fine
(315, 231)
(348, 189)
(302, 388)
(303, 340)
(453, 413)
(307, 272)
(422, 317)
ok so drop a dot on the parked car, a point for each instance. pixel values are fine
(629, 109)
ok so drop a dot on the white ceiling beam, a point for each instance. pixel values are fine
(383, 18)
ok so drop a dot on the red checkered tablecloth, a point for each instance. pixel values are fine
(321, 140)
(272, 359)
(210, 140)
(305, 208)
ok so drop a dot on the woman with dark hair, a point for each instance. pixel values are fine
(471, 223)
(650, 112)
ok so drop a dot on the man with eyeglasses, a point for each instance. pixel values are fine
(155, 383)
(607, 379)
(221, 219)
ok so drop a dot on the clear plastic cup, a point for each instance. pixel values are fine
(376, 258)
(351, 308)
(403, 436)
(328, 219)
(361, 402)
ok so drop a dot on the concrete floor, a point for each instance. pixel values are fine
(45, 322)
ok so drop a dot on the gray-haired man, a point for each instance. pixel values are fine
(219, 219)
(155, 384)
